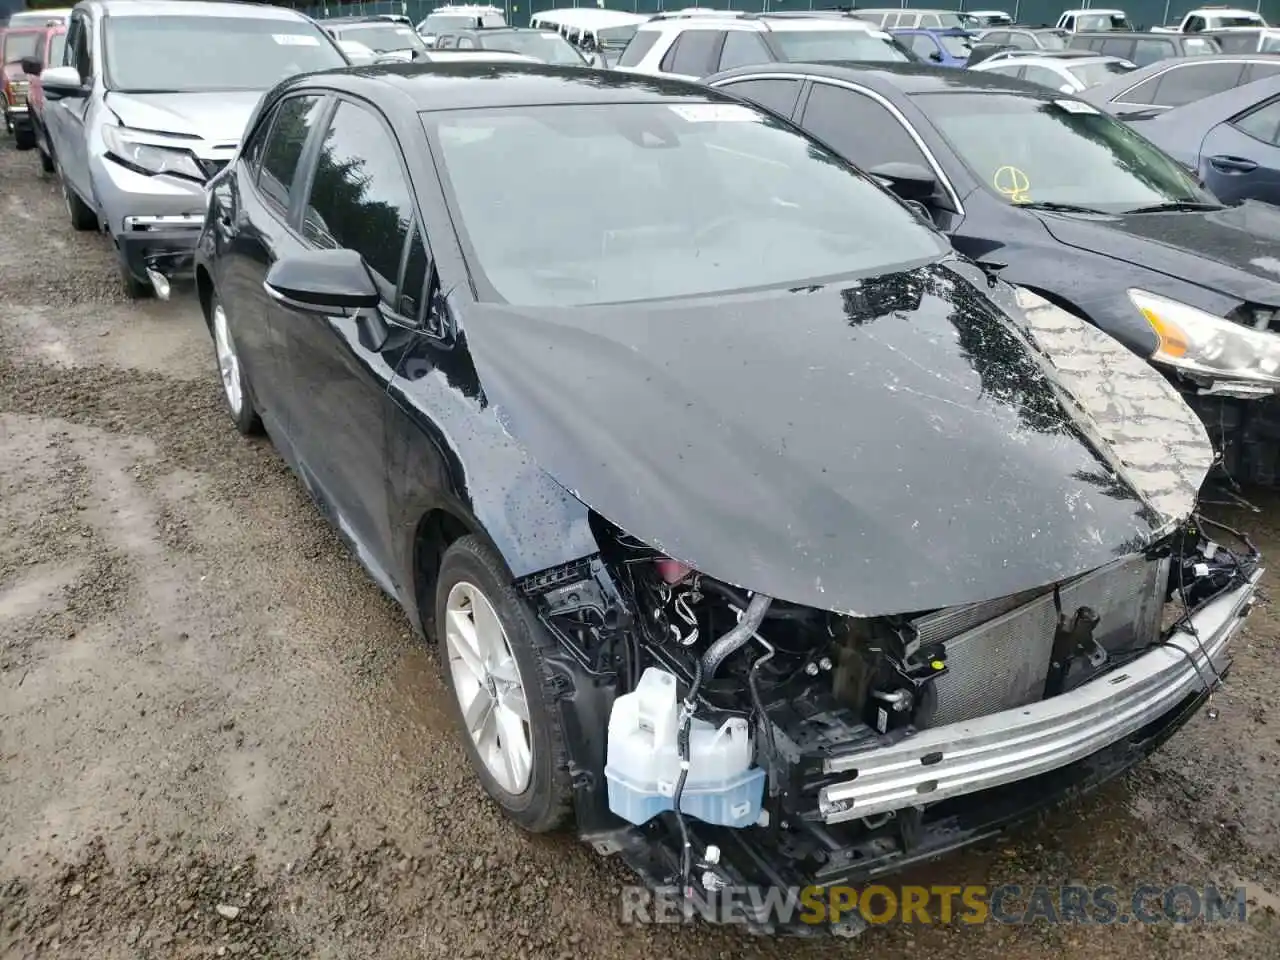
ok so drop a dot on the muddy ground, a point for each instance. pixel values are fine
(217, 738)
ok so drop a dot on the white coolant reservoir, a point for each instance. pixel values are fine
(644, 760)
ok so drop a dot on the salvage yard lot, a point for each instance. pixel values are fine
(218, 738)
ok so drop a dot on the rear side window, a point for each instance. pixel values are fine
(743, 48)
(282, 149)
(1147, 52)
(1022, 41)
(692, 53)
(1262, 124)
(777, 95)
(1259, 71)
(1116, 47)
(1183, 85)
(640, 44)
(861, 130)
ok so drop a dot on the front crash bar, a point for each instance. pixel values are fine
(989, 751)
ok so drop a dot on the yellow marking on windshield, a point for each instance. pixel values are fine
(1013, 183)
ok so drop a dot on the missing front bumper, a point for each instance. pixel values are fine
(986, 752)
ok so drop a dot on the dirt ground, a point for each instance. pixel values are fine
(217, 738)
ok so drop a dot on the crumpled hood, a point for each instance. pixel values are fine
(882, 446)
(1233, 250)
(216, 116)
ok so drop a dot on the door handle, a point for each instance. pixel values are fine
(1232, 164)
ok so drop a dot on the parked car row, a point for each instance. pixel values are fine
(792, 460)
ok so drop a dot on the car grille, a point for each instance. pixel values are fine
(1003, 661)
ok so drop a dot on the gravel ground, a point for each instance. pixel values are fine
(217, 738)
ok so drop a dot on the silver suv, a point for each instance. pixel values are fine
(150, 101)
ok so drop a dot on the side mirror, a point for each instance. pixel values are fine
(59, 82)
(323, 281)
(910, 181)
(31, 66)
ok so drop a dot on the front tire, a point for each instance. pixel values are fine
(24, 139)
(235, 382)
(492, 647)
(82, 217)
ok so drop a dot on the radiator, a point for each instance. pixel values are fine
(998, 652)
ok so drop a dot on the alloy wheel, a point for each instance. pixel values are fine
(487, 683)
(228, 361)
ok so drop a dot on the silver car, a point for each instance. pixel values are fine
(150, 101)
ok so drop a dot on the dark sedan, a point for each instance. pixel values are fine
(720, 512)
(1078, 207)
(1149, 91)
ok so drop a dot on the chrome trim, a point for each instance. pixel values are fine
(1012, 745)
(878, 98)
(1189, 62)
(141, 223)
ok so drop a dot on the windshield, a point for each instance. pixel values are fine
(1092, 74)
(1029, 150)
(616, 36)
(1087, 22)
(548, 47)
(804, 46)
(1052, 41)
(1244, 20)
(959, 47)
(57, 43)
(19, 44)
(642, 201)
(212, 53)
(382, 38)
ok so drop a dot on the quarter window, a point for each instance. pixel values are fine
(1262, 124)
(282, 149)
(359, 197)
(639, 44)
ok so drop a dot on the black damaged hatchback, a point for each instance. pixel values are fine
(766, 542)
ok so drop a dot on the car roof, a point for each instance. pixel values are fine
(448, 86)
(186, 8)
(908, 78)
(1052, 61)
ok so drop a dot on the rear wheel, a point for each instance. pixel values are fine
(235, 383)
(492, 647)
(24, 138)
(46, 161)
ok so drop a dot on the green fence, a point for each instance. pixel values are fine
(1144, 13)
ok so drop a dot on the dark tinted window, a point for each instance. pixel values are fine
(1263, 123)
(776, 95)
(857, 127)
(1259, 71)
(691, 53)
(640, 44)
(57, 43)
(1146, 52)
(1195, 24)
(1116, 47)
(1195, 82)
(359, 199)
(743, 48)
(79, 55)
(921, 44)
(285, 139)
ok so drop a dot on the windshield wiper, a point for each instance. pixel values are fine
(1054, 207)
(1175, 206)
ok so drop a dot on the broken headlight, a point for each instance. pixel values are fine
(137, 151)
(1210, 347)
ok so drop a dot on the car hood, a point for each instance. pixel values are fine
(1232, 250)
(216, 115)
(876, 446)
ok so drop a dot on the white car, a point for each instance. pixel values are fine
(690, 47)
(1067, 74)
(461, 17)
(356, 52)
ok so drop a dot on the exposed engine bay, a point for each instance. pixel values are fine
(738, 724)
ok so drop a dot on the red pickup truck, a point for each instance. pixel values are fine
(15, 45)
(55, 40)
